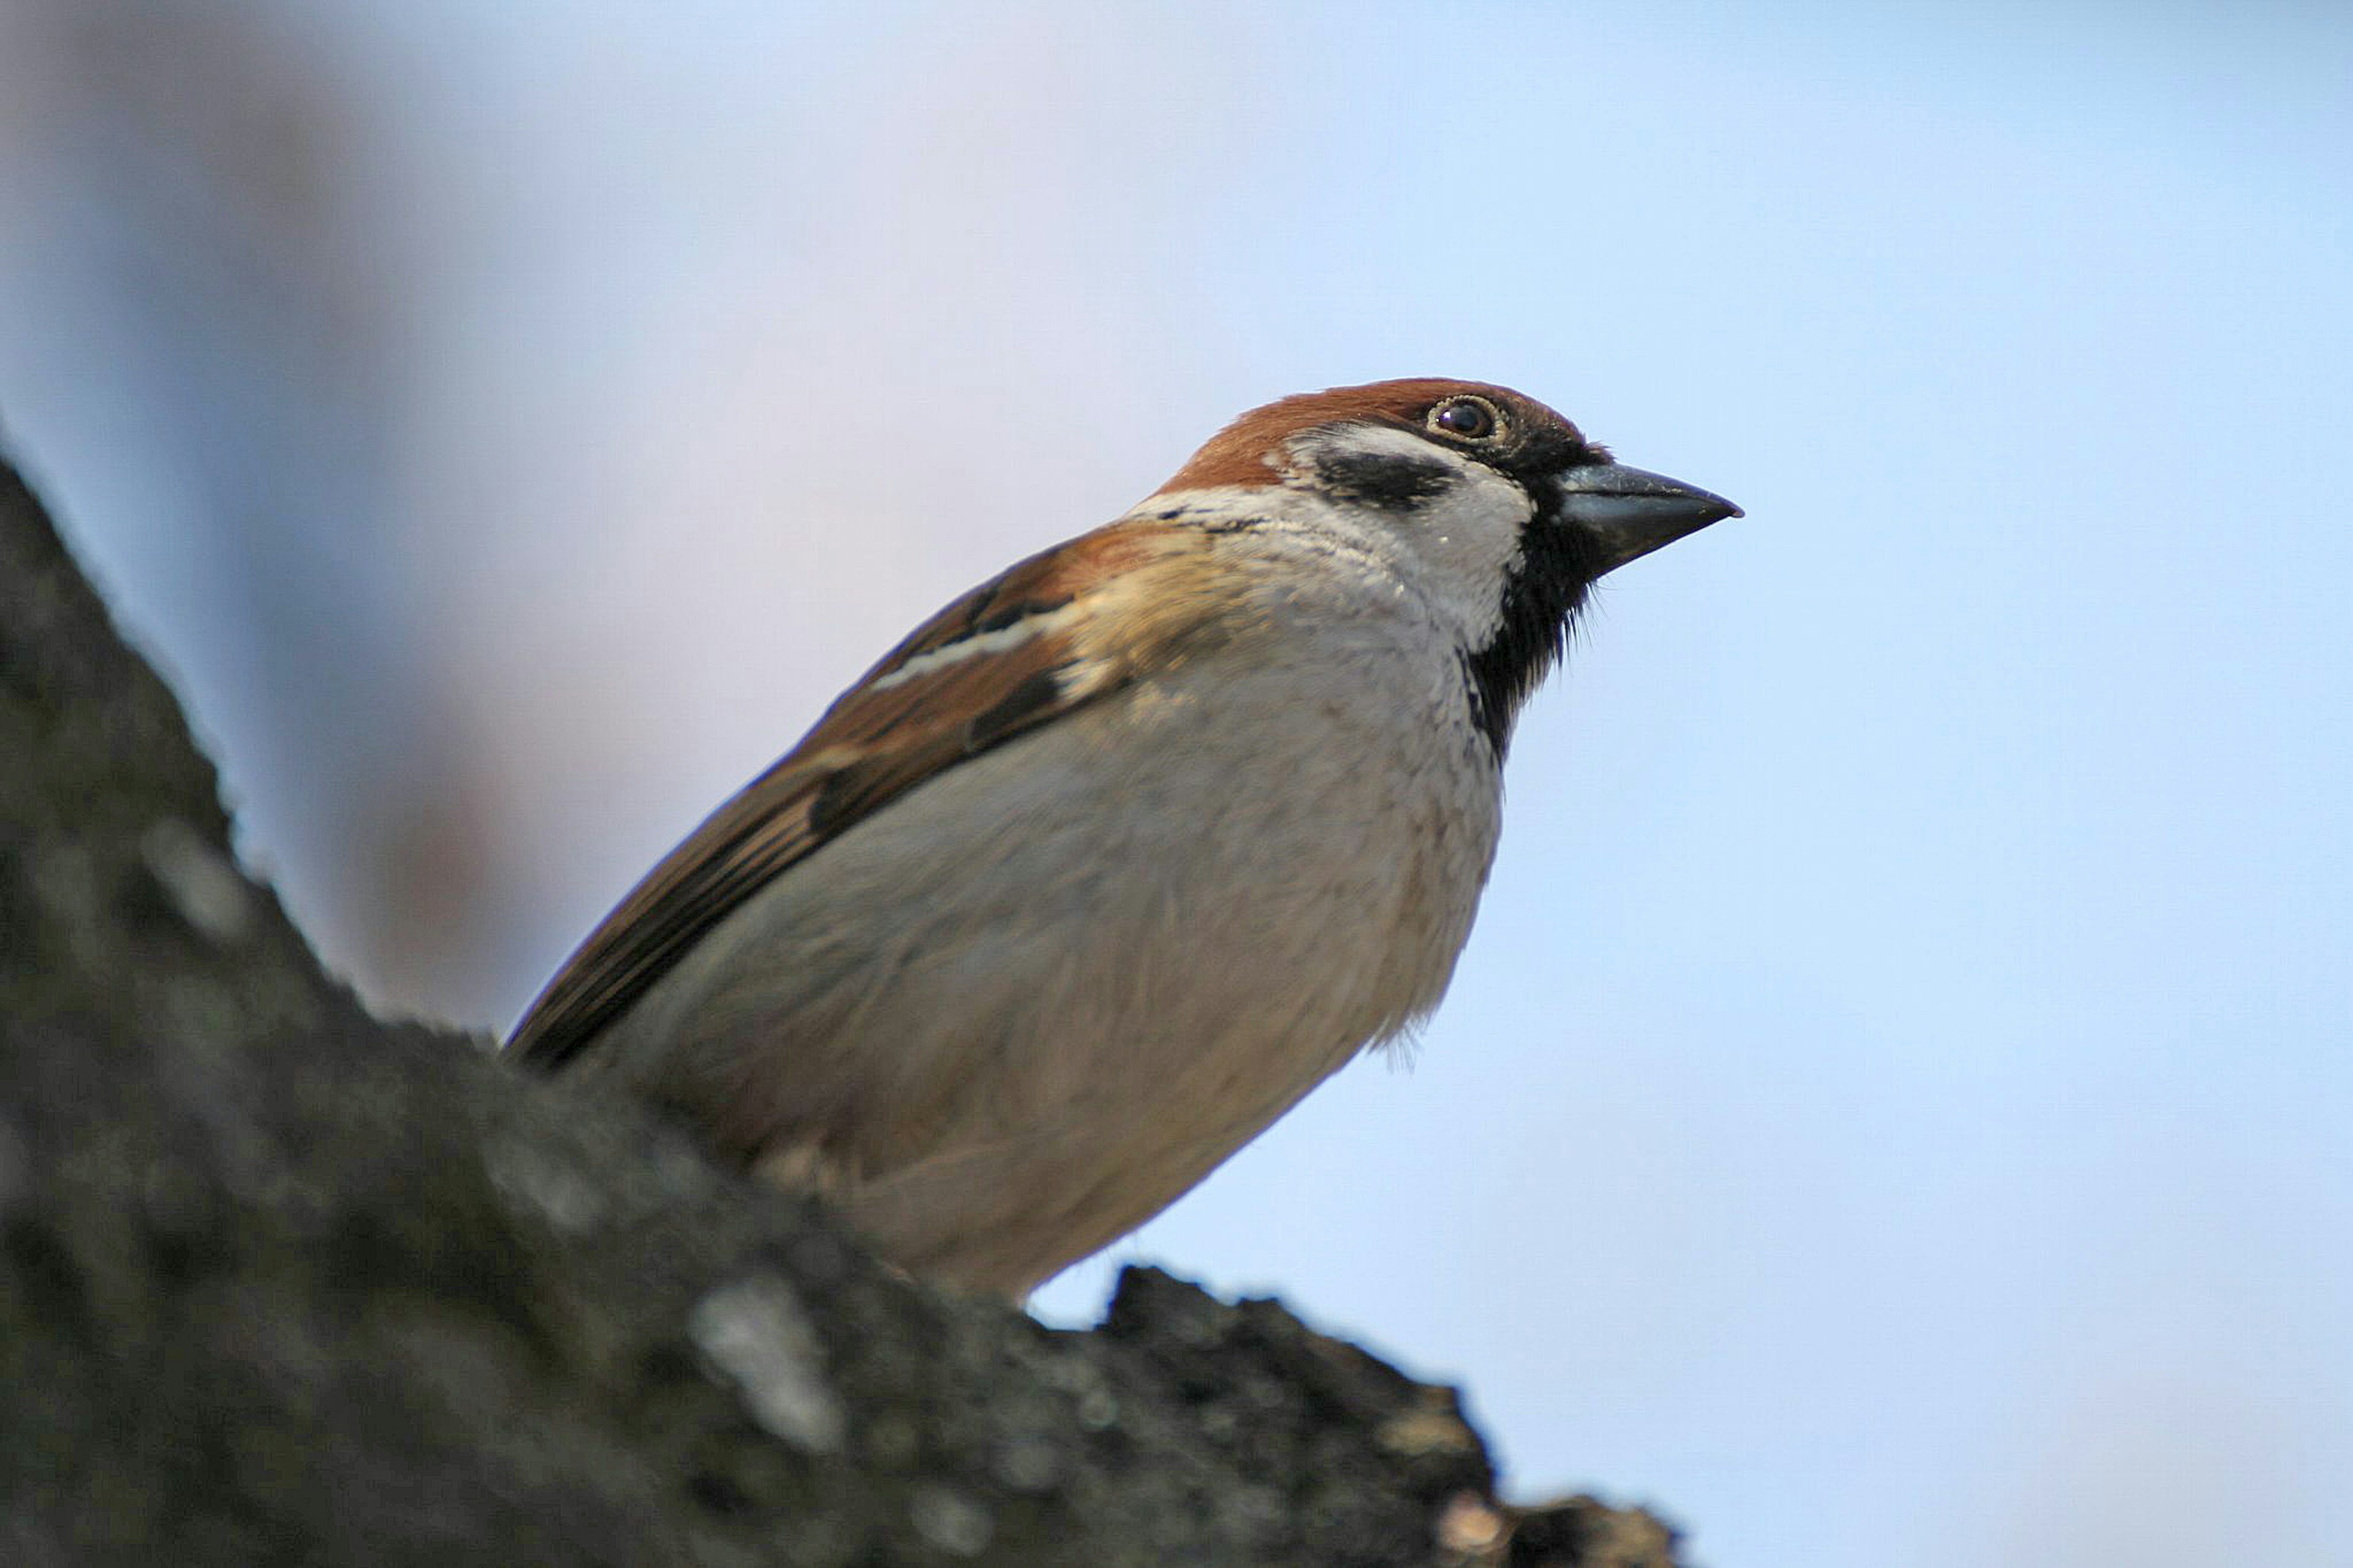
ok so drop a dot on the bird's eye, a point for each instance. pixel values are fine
(1468, 418)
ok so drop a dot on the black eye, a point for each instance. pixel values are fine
(1471, 419)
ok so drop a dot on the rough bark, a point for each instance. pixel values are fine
(281, 1282)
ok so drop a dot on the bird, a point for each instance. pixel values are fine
(1112, 861)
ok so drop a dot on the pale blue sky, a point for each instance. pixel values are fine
(1896, 1107)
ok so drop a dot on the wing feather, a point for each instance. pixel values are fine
(1006, 658)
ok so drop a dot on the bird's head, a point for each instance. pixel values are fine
(1499, 511)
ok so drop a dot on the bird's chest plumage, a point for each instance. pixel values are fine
(1200, 898)
(1319, 830)
(1078, 972)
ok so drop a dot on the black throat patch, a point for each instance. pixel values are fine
(1541, 598)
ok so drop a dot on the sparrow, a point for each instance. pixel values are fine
(1118, 856)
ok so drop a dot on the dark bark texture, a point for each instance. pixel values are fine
(281, 1282)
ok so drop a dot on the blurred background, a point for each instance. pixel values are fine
(1898, 1105)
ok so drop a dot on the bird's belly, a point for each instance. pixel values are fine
(1036, 1000)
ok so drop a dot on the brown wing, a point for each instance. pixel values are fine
(1004, 658)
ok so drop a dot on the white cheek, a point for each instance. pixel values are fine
(1456, 547)
(1466, 542)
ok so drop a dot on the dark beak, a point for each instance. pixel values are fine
(1627, 513)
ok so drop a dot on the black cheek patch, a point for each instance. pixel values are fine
(1389, 479)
